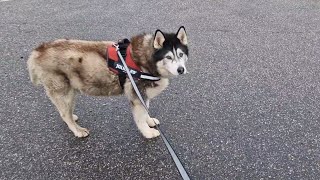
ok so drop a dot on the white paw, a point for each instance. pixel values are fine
(151, 133)
(81, 132)
(75, 117)
(152, 122)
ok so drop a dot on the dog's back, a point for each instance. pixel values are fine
(76, 64)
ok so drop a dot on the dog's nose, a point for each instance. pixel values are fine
(180, 70)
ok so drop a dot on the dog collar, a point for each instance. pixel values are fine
(116, 66)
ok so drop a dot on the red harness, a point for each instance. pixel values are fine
(116, 66)
(113, 56)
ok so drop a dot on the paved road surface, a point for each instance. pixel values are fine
(249, 109)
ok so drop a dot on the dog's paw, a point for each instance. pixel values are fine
(152, 122)
(151, 133)
(75, 117)
(81, 132)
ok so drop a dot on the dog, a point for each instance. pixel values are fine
(66, 68)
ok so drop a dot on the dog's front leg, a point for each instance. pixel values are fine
(142, 120)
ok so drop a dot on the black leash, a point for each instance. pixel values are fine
(175, 158)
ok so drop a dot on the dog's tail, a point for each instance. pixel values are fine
(34, 69)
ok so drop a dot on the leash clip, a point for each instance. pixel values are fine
(116, 46)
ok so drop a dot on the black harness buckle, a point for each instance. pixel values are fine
(123, 45)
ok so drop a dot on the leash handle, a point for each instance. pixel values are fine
(175, 158)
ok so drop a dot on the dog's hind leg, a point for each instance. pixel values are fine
(74, 117)
(141, 118)
(62, 96)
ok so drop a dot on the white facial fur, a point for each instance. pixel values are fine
(174, 59)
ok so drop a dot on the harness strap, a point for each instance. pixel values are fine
(118, 67)
(123, 45)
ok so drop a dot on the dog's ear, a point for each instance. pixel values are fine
(158, 39)
(182, 35)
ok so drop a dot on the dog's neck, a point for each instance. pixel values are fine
(142, 51)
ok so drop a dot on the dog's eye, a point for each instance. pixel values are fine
(168, 57)
(180, 54)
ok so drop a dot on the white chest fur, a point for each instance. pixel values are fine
(162, 84)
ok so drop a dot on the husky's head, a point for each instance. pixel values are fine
(171, 52)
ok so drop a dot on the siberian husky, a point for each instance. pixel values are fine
(67, 67)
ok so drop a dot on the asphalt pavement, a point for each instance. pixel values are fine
(248, 109)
